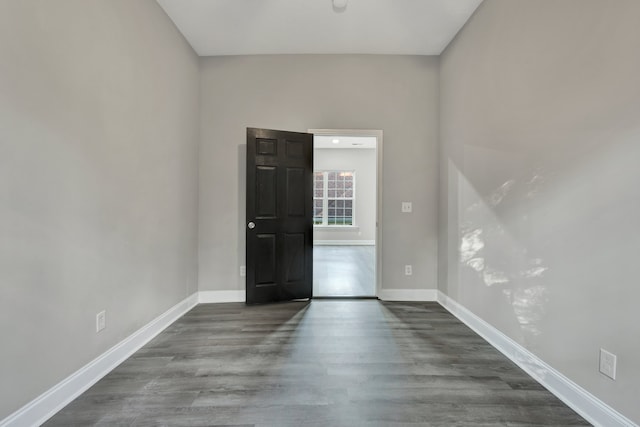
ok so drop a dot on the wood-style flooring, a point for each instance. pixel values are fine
(323, 363)
(344, 271)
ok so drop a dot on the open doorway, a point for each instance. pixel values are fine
(346, 213)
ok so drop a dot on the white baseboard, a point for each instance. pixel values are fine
(344, 243)
(580, 400)
(53, 400)
(207, 297)
(408, 294)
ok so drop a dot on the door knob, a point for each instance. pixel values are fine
(251, 225)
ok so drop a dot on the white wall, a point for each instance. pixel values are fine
(363, 162)
(397, 94)
(540, 200)
(98, 181)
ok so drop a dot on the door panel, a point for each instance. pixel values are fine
(266, 262)
(295, 149)
(266, 194)
(279, 215)
(293, 258)
(267, 146)
(295, 192)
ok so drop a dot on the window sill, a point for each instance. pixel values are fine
(336, 227)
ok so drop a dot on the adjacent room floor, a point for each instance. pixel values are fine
(340, 271)
(319, 363)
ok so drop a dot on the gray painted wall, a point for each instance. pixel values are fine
(539, 186)
(398, 94)
(98, 182)
(363, 163)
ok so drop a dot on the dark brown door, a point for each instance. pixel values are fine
(279, 215)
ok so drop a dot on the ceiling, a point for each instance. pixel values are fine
(358, 142)
(254, 27)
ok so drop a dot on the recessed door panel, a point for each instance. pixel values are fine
(295, 149)
(266, 192)
(265, 267)
(295, 192)
(294, 259)
(267, 147)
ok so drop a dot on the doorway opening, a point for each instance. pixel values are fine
(346, 212)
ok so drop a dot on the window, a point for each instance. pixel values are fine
(333, 198)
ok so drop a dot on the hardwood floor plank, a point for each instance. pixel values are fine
(325, 363)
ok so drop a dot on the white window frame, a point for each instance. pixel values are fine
(325, 199)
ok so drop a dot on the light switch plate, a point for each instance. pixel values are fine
(407, 207)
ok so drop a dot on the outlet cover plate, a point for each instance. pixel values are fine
(608, 362)
(101, 320)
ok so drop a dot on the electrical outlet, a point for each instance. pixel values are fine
(101, 320)
(407, 207)
(243, 270)
(408, 270)
(608, 362)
